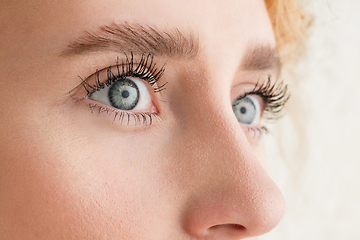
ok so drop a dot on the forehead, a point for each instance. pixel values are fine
(218, 23)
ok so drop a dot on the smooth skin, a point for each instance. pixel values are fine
(67, 173)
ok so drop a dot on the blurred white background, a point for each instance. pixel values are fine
(320, 174)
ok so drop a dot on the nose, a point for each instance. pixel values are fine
(231, 196)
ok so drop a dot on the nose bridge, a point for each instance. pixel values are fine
(211, 136)
(225, 183)
(222, 158)
(218, 147)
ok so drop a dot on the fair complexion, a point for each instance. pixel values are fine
(71, 167)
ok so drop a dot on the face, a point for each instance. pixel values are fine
(136, 119)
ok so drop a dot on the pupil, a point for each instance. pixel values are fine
(243, 110)
(125, 94)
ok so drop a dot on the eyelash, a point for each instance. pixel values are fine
(145, 70)
(138, 117)
(275, 97)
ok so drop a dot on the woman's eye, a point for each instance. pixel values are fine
(247, 110)
(126, 94)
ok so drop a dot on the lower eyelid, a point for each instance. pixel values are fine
(150, 109)
(255, 132)
(123, 117)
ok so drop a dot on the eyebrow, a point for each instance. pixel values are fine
(261, 57)
(140, 39)
(136, 38)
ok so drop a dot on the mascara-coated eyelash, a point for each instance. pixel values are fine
(145, 70)
(97, 86)
(274, 96)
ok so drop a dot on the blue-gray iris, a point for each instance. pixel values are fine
(124, 94)
(245, 110)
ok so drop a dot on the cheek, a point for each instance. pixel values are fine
(260, 155)
(67, 181)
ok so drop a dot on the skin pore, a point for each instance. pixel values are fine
(71, 168)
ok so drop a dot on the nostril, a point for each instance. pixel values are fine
(233, 226)
(227, 231)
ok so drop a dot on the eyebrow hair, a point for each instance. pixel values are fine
(260, 57)
(136, 38)
(140, 39)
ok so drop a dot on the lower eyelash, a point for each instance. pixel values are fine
(255, 132)
(136, 118)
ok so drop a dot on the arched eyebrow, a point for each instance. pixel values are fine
(138, 39)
